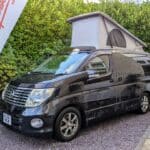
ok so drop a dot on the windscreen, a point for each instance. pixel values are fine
(62, 64)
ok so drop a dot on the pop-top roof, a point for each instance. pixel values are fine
(95, 29)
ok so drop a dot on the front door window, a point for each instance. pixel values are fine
(98, 66)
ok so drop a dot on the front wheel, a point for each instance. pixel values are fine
(144, 104)
(67, 124)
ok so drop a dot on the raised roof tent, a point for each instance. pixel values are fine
(102, 32)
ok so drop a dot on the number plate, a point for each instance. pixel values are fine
(7, 119)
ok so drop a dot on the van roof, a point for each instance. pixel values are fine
(112, 50)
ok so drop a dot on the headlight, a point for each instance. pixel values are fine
(38, 96)
(4, 91)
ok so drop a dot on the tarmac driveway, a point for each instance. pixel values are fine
(120, 133)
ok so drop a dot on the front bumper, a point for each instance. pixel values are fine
(22, 124)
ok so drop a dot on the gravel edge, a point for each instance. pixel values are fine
(142, 140)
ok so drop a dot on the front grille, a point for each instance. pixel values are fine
(16, 95)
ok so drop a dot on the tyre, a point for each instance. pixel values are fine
(68, 124)
(144, 103)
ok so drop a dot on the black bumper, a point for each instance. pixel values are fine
(22, 125)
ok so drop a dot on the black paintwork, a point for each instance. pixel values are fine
(117, 91)
(144, 61)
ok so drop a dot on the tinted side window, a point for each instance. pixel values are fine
(99, 65)
(141, 62)
(146, 69)
(125, 67)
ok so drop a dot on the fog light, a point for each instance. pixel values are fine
(37, 123)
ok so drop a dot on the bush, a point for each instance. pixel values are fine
(42, 30)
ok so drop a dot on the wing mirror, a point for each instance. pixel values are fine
(93, 73)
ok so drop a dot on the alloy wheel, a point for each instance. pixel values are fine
(69, 124)
(144, 103)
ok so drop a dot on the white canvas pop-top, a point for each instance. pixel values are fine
(100, 31)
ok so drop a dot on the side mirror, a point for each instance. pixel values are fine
(93, 74)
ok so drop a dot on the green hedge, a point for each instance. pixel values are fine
(42, 29)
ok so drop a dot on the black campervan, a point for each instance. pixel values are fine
(69, 91)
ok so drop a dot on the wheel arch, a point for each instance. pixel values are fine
(75, 105)
(146, 91)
